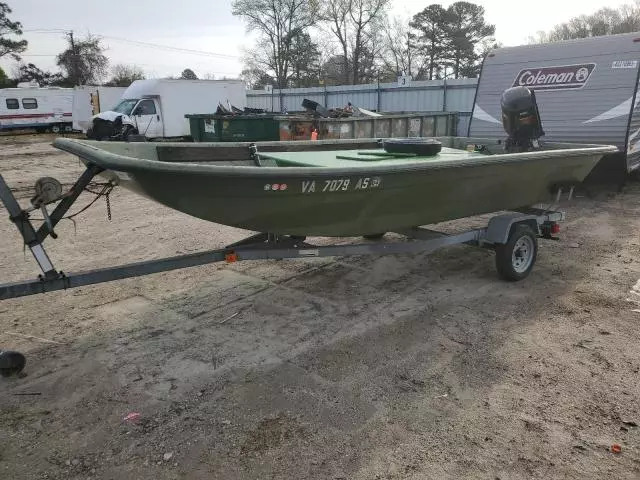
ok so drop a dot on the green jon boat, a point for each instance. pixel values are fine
(288, 190)
(338, 188)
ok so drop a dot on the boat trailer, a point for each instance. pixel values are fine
(512, 235)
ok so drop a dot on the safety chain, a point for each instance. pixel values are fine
(105, 192)
(108, 200)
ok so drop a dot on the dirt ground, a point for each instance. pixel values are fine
(397, 367)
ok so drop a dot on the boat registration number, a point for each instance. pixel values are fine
(340, 184)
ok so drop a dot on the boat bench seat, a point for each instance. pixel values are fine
(188, 153)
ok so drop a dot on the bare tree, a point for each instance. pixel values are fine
(398, 47)
(606, 21)
(260, 66)
(353, 24)
(540, 37)
(336, 14)
(278, 22)
(125, 75)
(256, 79)
(629, 18)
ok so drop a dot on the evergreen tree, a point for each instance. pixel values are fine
(8, 46)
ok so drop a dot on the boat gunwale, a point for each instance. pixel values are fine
(123, 163)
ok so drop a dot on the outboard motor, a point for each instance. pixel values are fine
(521, 119)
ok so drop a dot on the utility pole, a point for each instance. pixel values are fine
(74, 59)
(409, 53)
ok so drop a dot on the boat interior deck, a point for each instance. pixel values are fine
(349, 158)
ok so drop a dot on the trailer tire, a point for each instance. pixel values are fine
(55, 128)
(515, 259)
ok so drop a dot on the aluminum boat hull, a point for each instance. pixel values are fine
(365, 198)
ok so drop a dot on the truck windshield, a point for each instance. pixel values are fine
(125, 106)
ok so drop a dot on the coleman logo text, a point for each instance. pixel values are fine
(564, 77)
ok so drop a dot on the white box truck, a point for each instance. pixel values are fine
(157, 108)
(34, 107)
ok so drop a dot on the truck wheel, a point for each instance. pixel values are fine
(515, 259)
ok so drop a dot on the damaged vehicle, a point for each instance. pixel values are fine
(156, 108)
(117, 124)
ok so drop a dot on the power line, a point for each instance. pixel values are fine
(135, 42)
(143, 44)
(46, 30)
(168, 47)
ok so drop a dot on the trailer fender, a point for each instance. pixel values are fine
(501, 226)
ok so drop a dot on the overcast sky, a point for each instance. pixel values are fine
(207, 25)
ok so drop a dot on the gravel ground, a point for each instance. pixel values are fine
(397, 367)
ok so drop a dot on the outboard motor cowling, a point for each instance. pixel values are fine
(521, 119)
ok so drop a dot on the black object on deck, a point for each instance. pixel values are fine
(424, 146)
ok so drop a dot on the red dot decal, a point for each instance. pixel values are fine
(275, 186)
(283, 186)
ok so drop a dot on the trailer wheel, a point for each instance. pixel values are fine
(515, 259)
(11, 363)
(55, 128)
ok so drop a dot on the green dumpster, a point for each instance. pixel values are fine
(203, 127)
(233, 128)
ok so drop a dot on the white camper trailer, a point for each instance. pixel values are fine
(34, 107)
(586, 91)
(157, 108)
